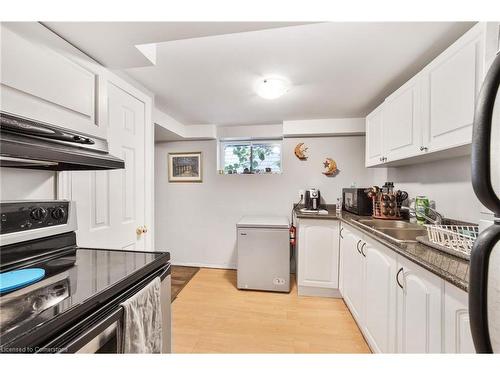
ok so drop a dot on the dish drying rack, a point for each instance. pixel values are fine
(458, 238)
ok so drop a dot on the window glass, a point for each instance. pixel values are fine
(247, 157)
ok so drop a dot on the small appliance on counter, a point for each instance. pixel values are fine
(386, 201)
(356, 201)
(312, 199)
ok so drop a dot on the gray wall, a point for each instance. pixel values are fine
(447, 182)
(16, 184)
(196, 222)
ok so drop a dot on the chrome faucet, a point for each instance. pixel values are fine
(437, 221)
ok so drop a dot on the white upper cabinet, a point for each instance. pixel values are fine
(374, 145)
(318, 257)
(419, 300)
(44, 83)
(430, 117)
(402, 122)
(451, 84)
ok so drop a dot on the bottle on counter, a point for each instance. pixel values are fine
(421, 208)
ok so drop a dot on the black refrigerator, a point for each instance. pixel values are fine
(484, 273)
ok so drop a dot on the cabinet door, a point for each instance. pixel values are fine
(40, 83)
(402, 122)
(419, 309)
(457, 334)
(352, 273)
(452, 82)
(380, 297)
(318, 254)
(374, 145)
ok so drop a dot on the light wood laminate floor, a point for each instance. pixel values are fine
(210, 315)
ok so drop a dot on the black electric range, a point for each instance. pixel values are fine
(80, 288)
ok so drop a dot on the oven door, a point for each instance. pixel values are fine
(100, 332)
(104, 337)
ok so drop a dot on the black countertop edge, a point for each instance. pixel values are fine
(448, 267)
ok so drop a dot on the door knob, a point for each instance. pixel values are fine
(141, 230)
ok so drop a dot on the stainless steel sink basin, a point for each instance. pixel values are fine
(403, 235)
(399, 231)
(379, 223)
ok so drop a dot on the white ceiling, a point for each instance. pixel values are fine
(113, 43)
(337, 69)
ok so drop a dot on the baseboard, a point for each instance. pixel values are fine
(205, 265)
(318, 292)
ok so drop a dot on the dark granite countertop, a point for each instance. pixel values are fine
(448, 267)
(331, 215)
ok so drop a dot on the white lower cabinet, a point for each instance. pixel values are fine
(352, 272)
(368, 288)
(398, 305)
(419, 300)
(318, 258)
(379, 297)
(457, 334)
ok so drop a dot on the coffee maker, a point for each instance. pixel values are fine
(312, 199)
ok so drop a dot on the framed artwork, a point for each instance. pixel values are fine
(184, 167)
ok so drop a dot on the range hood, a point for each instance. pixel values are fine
(30, 144)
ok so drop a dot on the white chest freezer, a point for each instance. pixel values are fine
(263, 253)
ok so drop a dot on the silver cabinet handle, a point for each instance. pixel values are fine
(341, 229)
(362, 246)
(397, 278)
(357, 246)
(423, 148)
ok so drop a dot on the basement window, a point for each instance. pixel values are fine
(250, 157)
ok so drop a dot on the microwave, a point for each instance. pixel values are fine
(356, 201)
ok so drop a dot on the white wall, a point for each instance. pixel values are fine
(18, 184)
(196, 221)
(448, 182)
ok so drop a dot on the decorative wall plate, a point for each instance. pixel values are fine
(300, 150)
(330, 167)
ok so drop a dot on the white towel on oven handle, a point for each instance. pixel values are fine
(142, 321)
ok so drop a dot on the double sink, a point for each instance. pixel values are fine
(396, 230)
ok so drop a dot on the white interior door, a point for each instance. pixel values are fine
(111, 204)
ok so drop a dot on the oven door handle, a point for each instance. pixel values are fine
(97, 335)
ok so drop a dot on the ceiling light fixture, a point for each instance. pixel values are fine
(272, 87)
